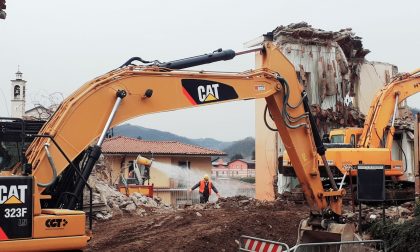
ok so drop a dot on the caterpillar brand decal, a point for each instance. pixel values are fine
(55, 223)
(14, 194)
(205, 91)
(16, 207)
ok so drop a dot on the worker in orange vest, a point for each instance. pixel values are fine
(205, 186)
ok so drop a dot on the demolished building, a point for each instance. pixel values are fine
(340, 85)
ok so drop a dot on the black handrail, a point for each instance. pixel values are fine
(78, 173)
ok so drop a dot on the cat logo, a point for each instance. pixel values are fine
(14, 194)
(199, 91)
(55, 223)
(208, 93)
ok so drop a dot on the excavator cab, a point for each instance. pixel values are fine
(15, 136)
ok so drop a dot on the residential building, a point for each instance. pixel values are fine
(176, 166)
(38, 112)
(238, 168)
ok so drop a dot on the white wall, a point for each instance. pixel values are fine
(372, 79)
(314, 59)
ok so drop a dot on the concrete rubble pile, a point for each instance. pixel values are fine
(333, 58)
(398, 214)
(109, 202)
(405, 120)
(351, 45)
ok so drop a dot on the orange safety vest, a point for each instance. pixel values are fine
(203, 184)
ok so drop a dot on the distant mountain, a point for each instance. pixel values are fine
(415, 110)
(135, 131)
(245, 147)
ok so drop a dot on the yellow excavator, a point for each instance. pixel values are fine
(371, 144)
(42, 192)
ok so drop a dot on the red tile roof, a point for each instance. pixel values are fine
(124, 145)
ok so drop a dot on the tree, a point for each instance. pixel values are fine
(253, 155)
(139, 138)
(236, 156)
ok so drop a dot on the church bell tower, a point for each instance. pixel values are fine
(18, 96)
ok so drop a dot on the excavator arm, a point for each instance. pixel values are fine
(384, 107)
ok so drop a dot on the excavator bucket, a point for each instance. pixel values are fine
(333, 233)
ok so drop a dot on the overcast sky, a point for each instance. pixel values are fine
(60, 45)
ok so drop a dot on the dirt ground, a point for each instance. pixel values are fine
(195, 229)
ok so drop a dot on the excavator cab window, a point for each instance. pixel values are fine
(15, 137)
(9, 154)
(337, 139)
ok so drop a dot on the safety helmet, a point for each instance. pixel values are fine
(206, 177)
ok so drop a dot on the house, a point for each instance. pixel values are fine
(38, 112)
(239, 168)
(176, 166)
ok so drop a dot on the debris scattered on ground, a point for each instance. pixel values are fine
(370, 214)
(202, 227)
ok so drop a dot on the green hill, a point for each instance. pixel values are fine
(245, 147)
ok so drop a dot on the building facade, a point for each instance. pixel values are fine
(239, 168)
(176, 166)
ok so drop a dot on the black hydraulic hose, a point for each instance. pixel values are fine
(405, 157)
(132, 59)
(265, 119)
(320, 148)
(285, 115)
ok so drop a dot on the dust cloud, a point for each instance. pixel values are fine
(187, 177)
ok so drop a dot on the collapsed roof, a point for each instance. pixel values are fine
(304, 33)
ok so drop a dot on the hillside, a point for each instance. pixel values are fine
(245, 147)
